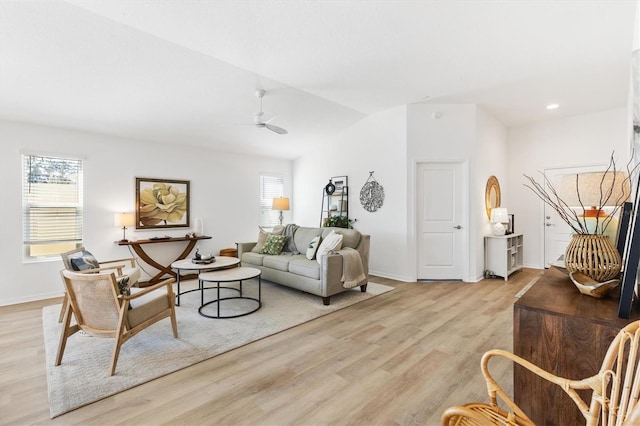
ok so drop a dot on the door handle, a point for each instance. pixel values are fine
(457, 227)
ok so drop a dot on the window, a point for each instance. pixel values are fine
(52, 205)
(271, 186)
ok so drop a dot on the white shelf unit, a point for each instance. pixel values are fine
(503, 254)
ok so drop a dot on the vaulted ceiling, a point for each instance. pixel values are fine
(186, 71)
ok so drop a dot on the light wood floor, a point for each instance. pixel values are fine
(399, 358)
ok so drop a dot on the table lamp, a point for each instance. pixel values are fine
(591, 192)
(499, 217)
(280, 204)
(124, 220)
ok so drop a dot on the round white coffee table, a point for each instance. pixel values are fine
(221, 262)
(226, 276)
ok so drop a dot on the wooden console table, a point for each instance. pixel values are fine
(565, 333)
(163, 269)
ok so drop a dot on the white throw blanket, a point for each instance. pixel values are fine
(352, 270)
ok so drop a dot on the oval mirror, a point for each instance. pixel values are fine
(492, 195)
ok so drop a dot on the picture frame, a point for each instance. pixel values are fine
(511, 225)
(630, 262)
(162, 203)
(623, 228)
(340, 183)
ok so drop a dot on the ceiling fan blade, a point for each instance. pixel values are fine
(278, 130)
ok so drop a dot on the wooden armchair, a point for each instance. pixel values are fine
(76, 260)
(100, 310)
(614, 390)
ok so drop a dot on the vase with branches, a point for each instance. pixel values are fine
(580, 200)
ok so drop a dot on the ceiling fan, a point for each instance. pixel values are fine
(259, 120)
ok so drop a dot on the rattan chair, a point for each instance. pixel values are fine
(614, 397)
(101, 311)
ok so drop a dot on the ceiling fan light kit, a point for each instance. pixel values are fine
(259, 117)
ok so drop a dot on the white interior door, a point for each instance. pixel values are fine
(557, 233)
(441, 207)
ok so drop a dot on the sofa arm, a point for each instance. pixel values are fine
(244, 247)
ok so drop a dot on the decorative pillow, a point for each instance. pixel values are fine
(313, 247)
(83, 261)
(332, 241)
(274, 244)
(123, 285)
(262, 237)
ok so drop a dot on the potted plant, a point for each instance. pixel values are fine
(338, 222)
(579, 202)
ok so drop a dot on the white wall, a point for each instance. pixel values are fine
(376, 143)
(576, 141)
(490, 159)
(462, 133)
(224, 193)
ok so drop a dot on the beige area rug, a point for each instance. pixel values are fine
(82, 378)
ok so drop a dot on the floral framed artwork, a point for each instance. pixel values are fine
(162, 203)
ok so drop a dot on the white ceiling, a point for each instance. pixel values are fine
(186, 71)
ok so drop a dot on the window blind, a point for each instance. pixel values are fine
(52, 205)
(271, 186)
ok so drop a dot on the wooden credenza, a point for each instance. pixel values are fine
(565, 333)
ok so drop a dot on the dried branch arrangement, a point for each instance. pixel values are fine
(614, 190)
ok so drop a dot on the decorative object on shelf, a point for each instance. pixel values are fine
(591, 251)
(162, 203)
(338, 222)
(202, 259)
(330, 188)
(371, 194)
(588, 286)
(499, 217)
(593, 255)
(124, 220)
(281, 204)
(512, 225)
(491, 195)
(198, 228)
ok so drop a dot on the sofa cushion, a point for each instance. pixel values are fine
(305, 267)
(350, 237)
(333, 241)
(280, 263)
(274, 244)
(253, 258)
(262, 237)
(303, 237)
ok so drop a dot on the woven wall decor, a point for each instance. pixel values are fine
(371, 194)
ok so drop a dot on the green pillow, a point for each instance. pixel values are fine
(273, 244)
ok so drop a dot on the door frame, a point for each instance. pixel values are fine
(412, 213)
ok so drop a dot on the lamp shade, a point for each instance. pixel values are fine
(281, 203)
(597, 189)
(499, 215)
(124, 219)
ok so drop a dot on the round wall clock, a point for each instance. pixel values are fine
(371, 194)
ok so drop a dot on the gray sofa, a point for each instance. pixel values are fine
(296, 271)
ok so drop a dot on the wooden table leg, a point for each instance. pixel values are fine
(162, 268)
